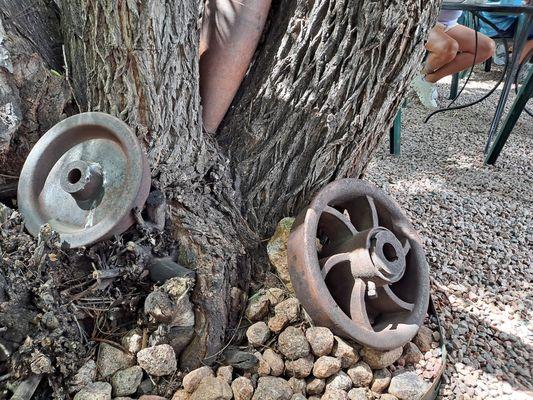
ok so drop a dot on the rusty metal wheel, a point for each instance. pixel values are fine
(84, 177)
(358, 267)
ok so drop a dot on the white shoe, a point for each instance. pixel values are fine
(426, 92)
(499, 57)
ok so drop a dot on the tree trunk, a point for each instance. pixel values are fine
(33, 94)
(325, 86)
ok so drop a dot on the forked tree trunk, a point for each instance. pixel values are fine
(325, 85)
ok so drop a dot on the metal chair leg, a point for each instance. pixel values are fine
(520, 102)
(395, 134)
(454, 86)
(488, 65)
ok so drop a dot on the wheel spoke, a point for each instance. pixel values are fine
(358, 312)
(363, 213)
(337, 227)
(329, 262)
(387, 301)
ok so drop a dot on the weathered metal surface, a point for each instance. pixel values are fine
(83, 177)
(229, 36)
(358, 267)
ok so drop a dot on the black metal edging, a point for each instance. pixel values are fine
(433, 391)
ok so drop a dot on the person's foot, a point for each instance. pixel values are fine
(499, 57)
(426, 92)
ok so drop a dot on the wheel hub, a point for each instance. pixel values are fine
(83, 177)
(367, 279)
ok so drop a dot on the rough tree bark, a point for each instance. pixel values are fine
(33, 94)
(325, 85)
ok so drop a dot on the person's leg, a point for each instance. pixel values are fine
(527, 51)
(466, 39)
(442, 49)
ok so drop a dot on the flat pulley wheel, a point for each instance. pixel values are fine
(84, 177)
(358, 267)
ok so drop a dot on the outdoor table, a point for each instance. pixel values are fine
(525, 18)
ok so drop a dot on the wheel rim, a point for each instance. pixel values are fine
(367, 279)
(83, 177)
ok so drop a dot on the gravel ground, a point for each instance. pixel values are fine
(475, 222)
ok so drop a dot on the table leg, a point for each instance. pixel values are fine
(395, 134)
(520, 102)
(519, 41)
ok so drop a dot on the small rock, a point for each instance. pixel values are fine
(326, 366)
(258, 334)
(344, 352)
(278, 322)
(297, 385)
(158, 360)
(271, 388)
(381, 359)
(339, 381)
(160, 306)
(298, 396)
(277, 250)
(411, 354)
(408, 386)
(226, 373)
(292, 343)
(242, 388)
(193, 378)
(132, 341)
(423, 339)
(257, 308)
(212, 388)
(180, 394)
(300, 368)
(110, 360)
(359, 394)
(95, 391)
(146, 386)
(151, 397)
(388, 396)
(275, 362)
(321, 340)
(335, 394)
(275, 296)
(85, 375)
(126, 381)
(315, 386)
(290, 308)
(50, 321)
(381, 380)
(262, 368)
(360, 374)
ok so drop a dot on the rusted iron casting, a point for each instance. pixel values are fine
(84, 177)
(358, 267)
(230, 32)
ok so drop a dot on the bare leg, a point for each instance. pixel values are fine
(466, 39)
(442, 49)
(528, 48)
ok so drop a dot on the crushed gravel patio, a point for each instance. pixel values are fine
(476, 225)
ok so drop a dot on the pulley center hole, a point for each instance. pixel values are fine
(74, 175)
(389, 252)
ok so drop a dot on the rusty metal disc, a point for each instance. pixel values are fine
(84, 177)
(358, 267)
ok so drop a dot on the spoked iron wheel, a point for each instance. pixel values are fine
(84, 177)
(358, 267)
